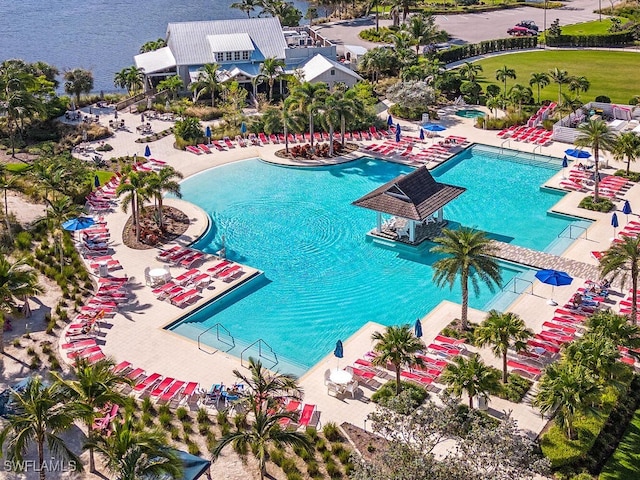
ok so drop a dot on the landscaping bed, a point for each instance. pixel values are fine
(175, 224)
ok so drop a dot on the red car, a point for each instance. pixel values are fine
(521, 31)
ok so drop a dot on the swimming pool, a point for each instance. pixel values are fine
(469, 113)
(324, 278)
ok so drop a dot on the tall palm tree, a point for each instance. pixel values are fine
(263, 387)
(596, 135)
(307, 98)
(8, 182)
(206, 82)
(272, 68)
(503, 331)
(424, 31)
(133, 188)
(246, 6)
(567, 389)
(599, 354)
(134, 451)
(330, 117)
(504, 73)
(616, 327)
(159, 183)
(626, 147)
(130, 78)
(467, 255)
(41, 415)
(469, 71)
(398, 346)
(540, 80)
(578, 85)
(520, 94)
(17, 281)
(560, 77)
(623, 260)
(95, 387)
(470, 376)
(173, 84)
(263, 431)
(78, 81)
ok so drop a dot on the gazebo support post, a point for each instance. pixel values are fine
(379, 223)
(412, 231)
(440, 215)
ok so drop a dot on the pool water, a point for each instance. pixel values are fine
(324, 277)
(470, 113)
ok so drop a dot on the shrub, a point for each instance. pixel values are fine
(164, 419)
(604, 205)
(388, 390)
(35, 363)
(333, 470)
(633, 176)
(603, 99)
(288, 465)
(23, 241)
(105, 147)
(16, 343)
(277, 456)
(203, 417)
(294, 476)
(147, 406)
(516, 388)
(183, 414)
(312, 434)
(147, 418)
(193, 448)
(165, 409)
(313, 468)
(240, 421)
(327, 455)
(222, 418)
(332, 432)
(54, 364)
(175, 433)
(31, 351)
(321, 445)
(46, 348)
(344, 456)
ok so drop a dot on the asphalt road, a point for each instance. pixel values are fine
(471, 27)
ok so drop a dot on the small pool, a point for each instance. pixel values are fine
(470, 113)
(324, 277)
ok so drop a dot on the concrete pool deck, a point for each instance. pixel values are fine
(137, 333)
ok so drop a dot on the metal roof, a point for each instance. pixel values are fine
(319, 64)
(155, 61)
(190, 46)
(230, 42)
(414, 196)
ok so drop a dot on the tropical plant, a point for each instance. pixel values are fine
(379, 62)
(78, 81)
(96, 387)
(540, 80)
(206, 82)
(503, 331)
(425, 31)
(504, 73)
(188, 129)
(272, 68)
(560, 77)
(17, 281)
(579, 85)
(568, 390)
(468, 254)
(520, 94)
(173, 84)
(626, 147)
(40, 416)
(622, 260)
(616, 327)
(308, 98)
(133, 451)
(159, 183)
(596, 135)
(598, 354)
(8, 182)
(469, 71)
(130, 78)
(397, 346)
(133, 189)
(153, 45)
(246, 6)
(470, 376)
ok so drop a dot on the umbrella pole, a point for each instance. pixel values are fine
(551, 301)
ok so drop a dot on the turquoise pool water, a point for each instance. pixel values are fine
(470, 113)
(324, 278)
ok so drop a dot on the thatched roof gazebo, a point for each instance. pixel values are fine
(412, 199)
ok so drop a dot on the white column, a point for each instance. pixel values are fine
(412, 231)
(379, 223)
(440, 215)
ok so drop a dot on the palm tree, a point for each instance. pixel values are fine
(263, 387)
(272, 68)
(153, 45)
(616, 327)
(520, 94)
(78, 81)
(626, 146)
(623, 260)
(503, 331)
(133, 187)
(95, 387)
(596, 135)
(569, 389)
(7, 182)
(470, 376)
(579, 84)
(246, 6)
(424, 31)
(17, 281)
(468, 255)
(469, 71)
(397, 345)
(164, 181)
(560, 77)
(540, 80)
(598, 354)
(502, 74)
(134, 451)
(172, 84)
(307, 98)
(330, 117)
(264, 430)
(41, 415)
(206, 82)
(130, 78)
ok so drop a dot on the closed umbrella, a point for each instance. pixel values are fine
(96, 181)
(417, 328)
(207, 132)
(243, 128)
(147, 151)
(555, 278)
(338, 352)
(576, 153)
(389, 121)
(421, 134)
(626, 209)
(565, 164)
(614, 223)
(398, 132)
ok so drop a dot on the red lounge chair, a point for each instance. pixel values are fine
(184, 298)
(414, 377)
(147, 382)
(449, 340)
(291, 407)
(273, 138)
(524, 367)
(204, 148)
(291, 138)
(299, 138)
(162, 386)
(433, 361)
(82, 352)
(561, 328)
(173, 390)
(306, 415)
(192, 149)
(201, 280)
(545, 346)
(135, 374)
(171, 293)
(443, 349)
(187, 276)
(122, 367)
(263, 138)
(218, 267)
(164, 288)
(189, 390)
(113, 280)
(229, 272)
(191, 259)
(228, 143)
(364, 374)
(79, 344)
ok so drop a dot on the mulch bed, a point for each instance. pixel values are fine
(368, 444)
(348, 148)
(175, 224)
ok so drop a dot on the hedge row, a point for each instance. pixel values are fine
(460, 52)
(608, 40)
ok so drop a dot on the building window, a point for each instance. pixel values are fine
(245, 55)
(236, 56)
(228, 56)
(333, 72)
(219, 57)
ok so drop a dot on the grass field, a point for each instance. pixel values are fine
(588, 28)
(610, 73)
(625, 462)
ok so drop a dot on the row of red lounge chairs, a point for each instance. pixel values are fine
(537, 135)
(582, 180)
(181, 256)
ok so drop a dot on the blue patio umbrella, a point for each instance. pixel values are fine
(147, 151)
(626, 209)
(417, 328)
(79, 223)
(96, 181)
(576, 153)
(433, 127)
(614, 223)
(338, 352)
(421, 134)
(398, 132)
(555, 278)
(389, 121)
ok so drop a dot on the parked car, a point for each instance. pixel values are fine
(521, 31)
(530, 24)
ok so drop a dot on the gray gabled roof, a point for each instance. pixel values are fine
(319, 64)
(189, 44)
(414, 196)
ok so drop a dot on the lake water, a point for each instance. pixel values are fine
(96, 35)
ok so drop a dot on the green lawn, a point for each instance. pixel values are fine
(588, 28)
(625, 461)
(610, 73)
